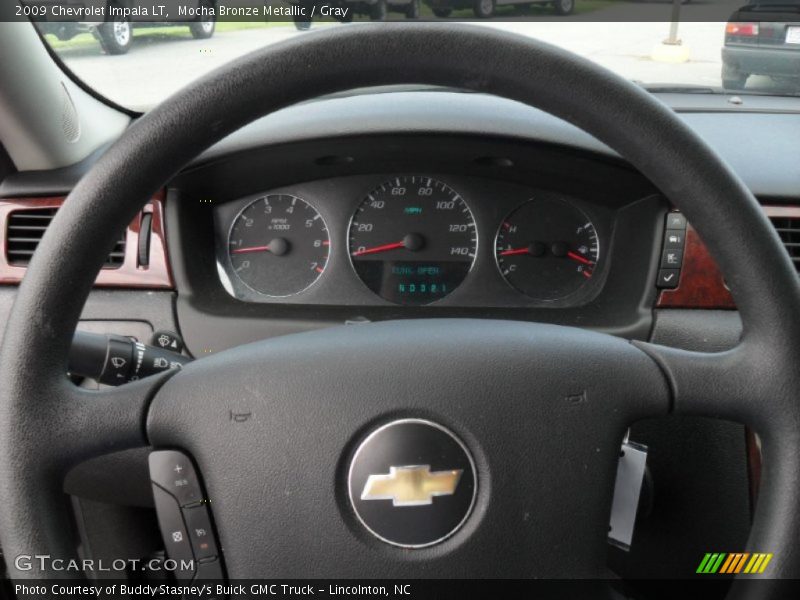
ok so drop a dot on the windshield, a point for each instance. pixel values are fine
(714, 46)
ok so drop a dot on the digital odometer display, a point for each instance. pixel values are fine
(413, 240)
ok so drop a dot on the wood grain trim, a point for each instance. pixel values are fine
(701, 284)
(129, 274)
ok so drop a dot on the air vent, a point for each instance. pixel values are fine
(25, 229)
(788, 229)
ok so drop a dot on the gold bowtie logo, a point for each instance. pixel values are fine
(411, 486)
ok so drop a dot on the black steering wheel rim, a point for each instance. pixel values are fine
(756, 383)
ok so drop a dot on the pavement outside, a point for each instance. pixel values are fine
(156, 66)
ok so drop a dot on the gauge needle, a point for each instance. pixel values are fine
(579, 258)
(376, 249)
(278, 247)
(250, 249)
(512, 251)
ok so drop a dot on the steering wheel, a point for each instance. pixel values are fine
(542, 464)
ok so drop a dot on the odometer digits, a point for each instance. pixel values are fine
(413, 240)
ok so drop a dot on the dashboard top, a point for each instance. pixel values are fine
(758, 137)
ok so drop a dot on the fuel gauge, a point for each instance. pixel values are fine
(547, 249)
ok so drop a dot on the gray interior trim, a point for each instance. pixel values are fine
(41, 109)
(760, 146)
(50, 182)
(760, 141)
(155, 308)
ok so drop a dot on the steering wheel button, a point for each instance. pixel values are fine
(174, 533)
(173, 471)
(201, 533)
(209, 570)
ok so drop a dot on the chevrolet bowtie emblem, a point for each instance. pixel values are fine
(411, 486)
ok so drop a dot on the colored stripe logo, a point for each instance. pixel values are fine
(735, 562)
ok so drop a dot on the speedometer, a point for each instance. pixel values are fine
(413, 240)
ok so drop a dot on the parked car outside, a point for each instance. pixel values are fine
(115, 32)
(762, 38)
(485, 9)
(375, 10)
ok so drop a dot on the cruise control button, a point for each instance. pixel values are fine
(676, 220)
(173, 531)
(668, 278)
(201, 534)
(671, 259)
(174, 472)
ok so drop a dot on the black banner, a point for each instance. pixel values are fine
(390, 11)
(433, 589)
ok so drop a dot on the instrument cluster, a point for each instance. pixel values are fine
(411, 239)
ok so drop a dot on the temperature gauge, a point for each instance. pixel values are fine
(547, 249)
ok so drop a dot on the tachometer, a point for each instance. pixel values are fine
(413, 240)
(547, 249)
(278, 245)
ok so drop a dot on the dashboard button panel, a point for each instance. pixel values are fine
(669, 273)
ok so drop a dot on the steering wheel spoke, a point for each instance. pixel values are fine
(66, 426)
(744, 384)
(114, 416)
(754, 384)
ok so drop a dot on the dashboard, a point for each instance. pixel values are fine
(293, 236)
(412, 240)
(422, 204)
